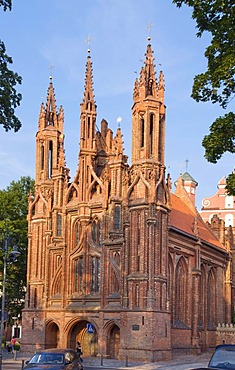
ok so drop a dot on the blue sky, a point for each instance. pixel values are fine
(39, 34)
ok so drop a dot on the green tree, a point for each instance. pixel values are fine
(9, 98)
(217, 83)
(7, 4)
(13, 216)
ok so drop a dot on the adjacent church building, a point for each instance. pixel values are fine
(117, 261)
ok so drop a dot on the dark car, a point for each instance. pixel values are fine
(222, 358)
(54, 359)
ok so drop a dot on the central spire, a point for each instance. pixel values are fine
(146, 86)
(88, 110)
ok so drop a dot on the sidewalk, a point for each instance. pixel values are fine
(178, 363)
(183, 362)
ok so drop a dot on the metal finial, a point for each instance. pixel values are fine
(186, 163)
(149, 27)
(119, 120)
(88, 40)
(51, 67)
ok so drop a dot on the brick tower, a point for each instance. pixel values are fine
(147, 217)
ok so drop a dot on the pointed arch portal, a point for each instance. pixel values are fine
(52, 335)
(89, 342)
(114, 342)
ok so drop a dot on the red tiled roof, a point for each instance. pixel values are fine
(183, 218)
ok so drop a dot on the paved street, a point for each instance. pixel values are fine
(178, 363)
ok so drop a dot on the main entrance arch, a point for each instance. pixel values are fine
(89, 342)
(114, 342)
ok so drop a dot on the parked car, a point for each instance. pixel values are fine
(54, 359)
(223, 358)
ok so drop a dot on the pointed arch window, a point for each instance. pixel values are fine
(96, 232)
(88, 126)
(151, 126)
(117, 217)
(211, 299)
(78, 270)
(50, 159)
(59, 225)
(181, 293)
(137, 296)
(42, 157)
(142, 133)
(138, 247)
(160, 134)
(77, 232)
(170, 290)
(35, 298)
(95, 275)
(202, 304)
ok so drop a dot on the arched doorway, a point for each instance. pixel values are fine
(89, 342)
(114, 342)
(52, 335)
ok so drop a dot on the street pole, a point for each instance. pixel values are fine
(3, 296)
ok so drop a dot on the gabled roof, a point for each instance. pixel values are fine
(184, 219)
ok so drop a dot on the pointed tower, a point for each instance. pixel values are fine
(148, 114)
(45, 212)
(49, 139)
(87, 133)
(146, 216)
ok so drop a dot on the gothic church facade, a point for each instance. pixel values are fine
(115, 260)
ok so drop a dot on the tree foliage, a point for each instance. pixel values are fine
(9, 98)
(7, 4)
(13, 218)
(217, 83)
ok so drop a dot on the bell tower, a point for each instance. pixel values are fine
(49, 139)
(148, 114)
(147, 217)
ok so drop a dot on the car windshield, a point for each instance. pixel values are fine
(47, 358)
(223, 358)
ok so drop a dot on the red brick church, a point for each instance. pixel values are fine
(115, 260)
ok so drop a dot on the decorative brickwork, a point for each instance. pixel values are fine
(113, 247)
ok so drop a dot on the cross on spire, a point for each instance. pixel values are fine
(149, 27)
(50, 68)
(88, 40)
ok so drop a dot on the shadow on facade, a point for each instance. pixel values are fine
(52, 335)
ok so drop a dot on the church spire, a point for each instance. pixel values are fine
(149, 78)
(88, 103)
(148, 113)
(88, 110)
(88, 145)
(49, 138)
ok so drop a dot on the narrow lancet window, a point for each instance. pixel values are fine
(151, 125)
(42, 157)
(95, 275)
(142, 133)
(50, 159)
(59, 225)
(77, 233)
(117, 214)
(79, 275)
